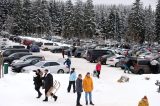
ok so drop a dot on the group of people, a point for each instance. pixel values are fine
(46, 82)
(79, 85)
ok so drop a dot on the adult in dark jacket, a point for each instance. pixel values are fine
(48, 85)
(79, 89)
(68, 63)
(38, 81)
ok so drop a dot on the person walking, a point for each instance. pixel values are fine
(38, 81)
(143, 102)
(63, 52)
(88, 88)
(48, 85)
(79, 89)
(68, 63)
(72, 79)
(98, 69)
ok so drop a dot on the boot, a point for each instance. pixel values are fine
(39, 95)
(91, 103)
(86, 102)
(55, 98)
(46, 99)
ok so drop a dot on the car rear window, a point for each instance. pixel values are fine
(143, 62)
(49, 44)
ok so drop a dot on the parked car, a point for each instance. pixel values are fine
(103, 58)
(93, 55)
(115, 60)
(17, 67)
(14, 47)
(59, 49)
(78, 52)
(139, 66)
(34, 48)
(24, 58)
(15, 56)
(8, 52)
(52, 66)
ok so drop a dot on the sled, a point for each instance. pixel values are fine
(56, 86)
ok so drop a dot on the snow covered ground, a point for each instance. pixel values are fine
(17, 89)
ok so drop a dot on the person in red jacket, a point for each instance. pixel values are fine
(98, 68)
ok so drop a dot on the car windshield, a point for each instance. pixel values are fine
(24, 57)
(48, 44)
(28, 61)
(39, 64)
(12, 55)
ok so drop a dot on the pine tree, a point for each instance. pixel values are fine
(27, 23)
(136, 23)
(89, 19)
(46, 19)
(54, 12)
(103, 24)
(157, 22)
(68, 28)
(17, 15)
(3, 13)
(150, 25)
(78, 19)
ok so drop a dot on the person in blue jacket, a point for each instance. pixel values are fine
(68, 63)
(72, 79)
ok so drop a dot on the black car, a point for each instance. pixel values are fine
(8, 52)
(103, 58)
(18, 66)
(94, 54)
(59, 49)
(15, 56)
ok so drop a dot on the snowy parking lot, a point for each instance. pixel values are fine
(17, 89)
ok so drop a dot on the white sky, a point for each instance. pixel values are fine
(125, 2)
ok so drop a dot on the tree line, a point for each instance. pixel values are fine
(81, 19)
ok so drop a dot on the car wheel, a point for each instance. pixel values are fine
(141, 71)
(60, 71)
(117, 64)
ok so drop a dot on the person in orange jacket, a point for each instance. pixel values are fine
(143, 102)
(88, 87)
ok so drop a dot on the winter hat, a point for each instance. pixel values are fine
(145, 97)
(88, 73)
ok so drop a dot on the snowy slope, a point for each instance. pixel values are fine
(16, 89)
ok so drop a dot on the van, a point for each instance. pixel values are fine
(94, 54)
(48, 45)
(8, 52)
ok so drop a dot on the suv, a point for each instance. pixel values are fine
(15, 56)
(8, 52)
(139, 66)
(93, 55)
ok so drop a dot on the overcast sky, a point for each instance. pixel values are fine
(125, 2)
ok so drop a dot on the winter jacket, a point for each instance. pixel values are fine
(143, 102)
(68, 62)
(37, 81)
(79, 85)
(87, 84)
(98, 67)
(72, 76)
(48, 81)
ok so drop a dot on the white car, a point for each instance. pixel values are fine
(52, 66)
(115, 60)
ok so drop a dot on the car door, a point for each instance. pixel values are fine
(54, 67)
(158, 59)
